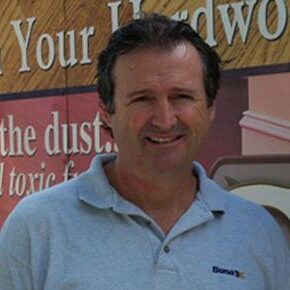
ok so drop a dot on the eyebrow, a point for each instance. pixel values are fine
(148, 91)
(183, 90)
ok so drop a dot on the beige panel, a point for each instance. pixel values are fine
(269, 95)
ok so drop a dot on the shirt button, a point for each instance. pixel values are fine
(166, 249)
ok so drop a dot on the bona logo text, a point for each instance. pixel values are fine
(230, 272)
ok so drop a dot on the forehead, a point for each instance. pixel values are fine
(157, 64)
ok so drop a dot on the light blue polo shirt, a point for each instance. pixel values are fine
(82, 235)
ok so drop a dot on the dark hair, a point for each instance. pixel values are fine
(154, 30)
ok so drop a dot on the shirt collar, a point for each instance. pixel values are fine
(209, 192)
(94, 188)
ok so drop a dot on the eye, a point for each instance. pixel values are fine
(185, 97)
(139, 99)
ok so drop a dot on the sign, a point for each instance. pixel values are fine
(55, 45)
(50, 126)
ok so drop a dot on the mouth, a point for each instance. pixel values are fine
(163, 140)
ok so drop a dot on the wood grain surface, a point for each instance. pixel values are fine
(65, 15)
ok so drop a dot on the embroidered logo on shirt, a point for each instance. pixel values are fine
(231, 272)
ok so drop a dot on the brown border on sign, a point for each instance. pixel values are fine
(249, 159)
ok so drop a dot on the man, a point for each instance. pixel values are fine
(147, 218)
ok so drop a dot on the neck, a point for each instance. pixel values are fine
(164, 197)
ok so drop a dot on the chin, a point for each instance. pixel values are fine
(170, 165)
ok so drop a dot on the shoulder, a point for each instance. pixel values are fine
(236, 207)
(247, 213)
(254, 226)
(34, 217)
(254, 215)
(37, 208)
(59, 201)
(241, 215)
(46, 200)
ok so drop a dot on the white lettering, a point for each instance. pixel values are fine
(73, 137)
(51, 136)
(114, 6)
(23, 41)
(67, 54)
(14, 134)
(71, 60)
(180, 16)
(67, 171)
(29, 136)
(85, 34)
(24, 184)
(50, 57)
(97, 125)
(3, 130)
(108, 147)
(1, 177)
(20, 184)
(208, 13)
(1, 71)
(238, 21)
(11, 185)
(86, 138)
(17, 139)
(282, 19)
(136, 8)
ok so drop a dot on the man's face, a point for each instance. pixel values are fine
(161, 116)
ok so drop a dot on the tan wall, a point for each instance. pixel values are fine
(270, 95)
(266, 126)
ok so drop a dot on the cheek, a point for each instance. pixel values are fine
(197, 116)
(127, 125)
(137, 120)
(198, 122)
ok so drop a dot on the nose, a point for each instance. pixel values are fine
(164, 115)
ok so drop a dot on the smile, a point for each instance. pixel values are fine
(163, 140)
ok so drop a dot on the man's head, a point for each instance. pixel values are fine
(154, 31)
(157, 83)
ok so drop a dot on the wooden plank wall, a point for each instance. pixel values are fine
(64, 15)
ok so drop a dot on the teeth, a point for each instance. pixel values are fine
(161, 140)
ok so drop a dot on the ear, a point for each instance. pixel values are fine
(212, 112)
(104, 115)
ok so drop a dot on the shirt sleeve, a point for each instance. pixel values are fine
(285, 267)
(281, 258)
(15, 249)
(14, 275)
